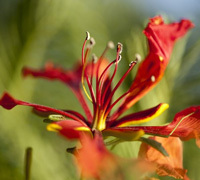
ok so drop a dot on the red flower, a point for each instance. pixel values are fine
(71, 124)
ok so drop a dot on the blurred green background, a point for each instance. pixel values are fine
(35, 31)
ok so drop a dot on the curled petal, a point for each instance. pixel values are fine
(8, 102)
(171, 165)
(161, 38)
(185, 126)
(141, 117)
(69, 129)
(71, 78)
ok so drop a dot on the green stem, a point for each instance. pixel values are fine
(28, 160)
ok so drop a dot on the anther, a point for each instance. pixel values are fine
(119, 47)
(87, 35)
(119, 58)
(138, 57)
(94, 58)
(110, 45)
(56, 117)
(132, 62)
(153, 79)
(92, 43)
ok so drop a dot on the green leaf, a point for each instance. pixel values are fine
(156, 145)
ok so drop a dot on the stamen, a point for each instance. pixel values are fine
(118, 58)
(89, 47)
(102, 78)
(131, 65)
(110, 45)
(84, 58)
(94, 60)
(106, 69)
(83, 85)
(99, 122)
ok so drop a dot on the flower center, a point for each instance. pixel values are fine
(101, 96)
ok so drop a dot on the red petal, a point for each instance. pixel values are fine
(187, 123)
(69, 128)
(161, 38)
(8, 102)
(94, 159)
(185, 126)
(71, 78)
(141, 117)
(171, 165)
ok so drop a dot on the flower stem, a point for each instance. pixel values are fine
(28, 160)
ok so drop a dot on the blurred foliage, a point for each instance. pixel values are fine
(35, 31)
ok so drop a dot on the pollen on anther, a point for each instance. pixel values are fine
(94, 58)
(119, 58)
(131, 63)
(153, 79)
(110, 45)
(87, 35)
(92, 41)
(119, 47)
(138, 57)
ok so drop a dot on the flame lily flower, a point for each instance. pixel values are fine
(71, 124)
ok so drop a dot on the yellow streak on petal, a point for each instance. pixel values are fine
(54, 127)
(101, 125)
(82, 129)
(161, 109)
(86, 129)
